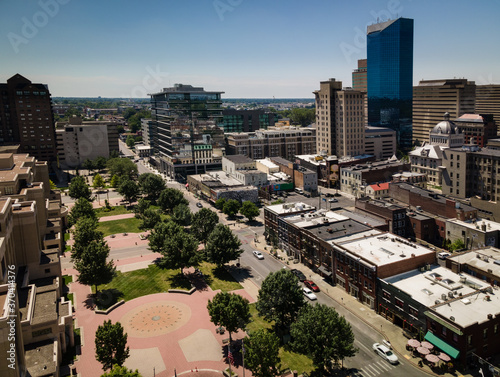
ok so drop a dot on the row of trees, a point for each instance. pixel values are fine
(231, 207)
(318, 331)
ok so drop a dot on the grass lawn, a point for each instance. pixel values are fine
(66, 236)
(118, 210)
(120, 226)
(129, 285)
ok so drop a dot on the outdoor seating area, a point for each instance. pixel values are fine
(436, 360)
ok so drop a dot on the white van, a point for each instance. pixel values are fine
(299, 190)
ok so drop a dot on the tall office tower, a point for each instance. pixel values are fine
(189, 139)
(390, 76)
(433, 98)
(340, 123)
(359, 77)
(488, 101)
(26, 118)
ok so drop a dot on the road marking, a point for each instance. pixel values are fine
(375, 369)
(385, 365)
(365, 372)
(363, 346)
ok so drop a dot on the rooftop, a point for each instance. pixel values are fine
(384, 249)
(268, 163)
(380, 186)
(40, 358)
(486, 259)
(477, 225)
(239, 159)
(290, 208)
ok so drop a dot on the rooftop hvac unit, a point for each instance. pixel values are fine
(451, 295)
(437, 302)
(443, 296)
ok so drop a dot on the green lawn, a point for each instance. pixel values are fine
(118, 210)
(219, 278)
(129, 285)
(120, 226)
(66, 236)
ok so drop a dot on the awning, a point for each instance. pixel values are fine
(444, 323)
(442, 345)
(324, 271)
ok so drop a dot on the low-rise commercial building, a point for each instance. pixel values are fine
(380, 142)
(475, 233)
(301, 177)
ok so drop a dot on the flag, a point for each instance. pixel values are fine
(230, 357)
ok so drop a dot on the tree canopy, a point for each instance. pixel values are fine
(142, 205)
(82, 209)
(219, 204)
(78, 188)
(170, 198)
(249, 210)
(85, 232)
(231, 207)
(98, 182)
(262, 353)
(324, 335)
(150, 218)
(129, 190)
(122, 167)
(222, 245)
(229, 310)
(178, 248)
(111, 345)
(151, 186)
(203, 223)
(182, 215)
(92, 265)
(120, 371)
(280, 298)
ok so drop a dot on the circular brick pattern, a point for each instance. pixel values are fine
(155, 319)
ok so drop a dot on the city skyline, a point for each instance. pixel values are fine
(246, 49)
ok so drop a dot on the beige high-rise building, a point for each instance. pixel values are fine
(488, 101)
(433, 98)
(31, 303)
(340, 120)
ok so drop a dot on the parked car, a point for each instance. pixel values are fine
(333, 200)
(199, 205)
(299, 274)
(311, 285)
(257, 254)
(443, 255)
(385, 353)
(309, 294)
(307, 195)
(327, 195)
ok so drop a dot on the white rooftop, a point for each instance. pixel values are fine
(312, 159)
(384, 249)
(290, 208)
(481, 259)
(476, 225)
(368, 233)
(316, 218)
(268, 163)
(282, 176)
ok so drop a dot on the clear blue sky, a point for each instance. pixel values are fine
(246, 48)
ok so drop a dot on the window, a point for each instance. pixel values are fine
(443, 331)
(386, 295)
(400, 303)
(413, 311)
(485, 333)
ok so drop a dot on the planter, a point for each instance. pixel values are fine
(226, 373)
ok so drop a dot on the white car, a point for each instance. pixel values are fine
(385, 353)
(443, 255)
(309, 294)
(257, 254)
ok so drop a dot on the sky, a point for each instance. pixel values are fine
(245, 48)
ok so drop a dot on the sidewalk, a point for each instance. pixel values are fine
(379, 324)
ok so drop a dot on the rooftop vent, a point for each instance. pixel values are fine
(466, 301)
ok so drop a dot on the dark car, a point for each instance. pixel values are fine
(199, 205)
(299, 274)
(311, 285)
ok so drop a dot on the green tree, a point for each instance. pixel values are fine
(182, 215)
(204, 222)
(130, 141)
(115, 181)
(78, 188)
(122, 167)
(229, 310)
(111, 345)
(52, 185)
(222, 245)
(262, 353)
(88, 164)
(304, 117)
(142, 205)
(151, 186)
(85, 233)
(179, 249)
(82, 208)
(100, 163)
(231, 207)
(322, 334)
(150, 218)
(458, 244)
(129, 190)
(134, 122)
(219, 204)
(280, 298)
(98, 182)
(92, 265)
(120, 371)
(171, 198)
(249, 210)
(113, 154)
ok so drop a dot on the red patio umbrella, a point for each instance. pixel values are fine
(444, 357)
(423, 351)
(414, 343)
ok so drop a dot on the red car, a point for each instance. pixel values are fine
(310, 284)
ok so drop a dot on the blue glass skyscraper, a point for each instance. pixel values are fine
(390, 77)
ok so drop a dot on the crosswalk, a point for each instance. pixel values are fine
(374, 369)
